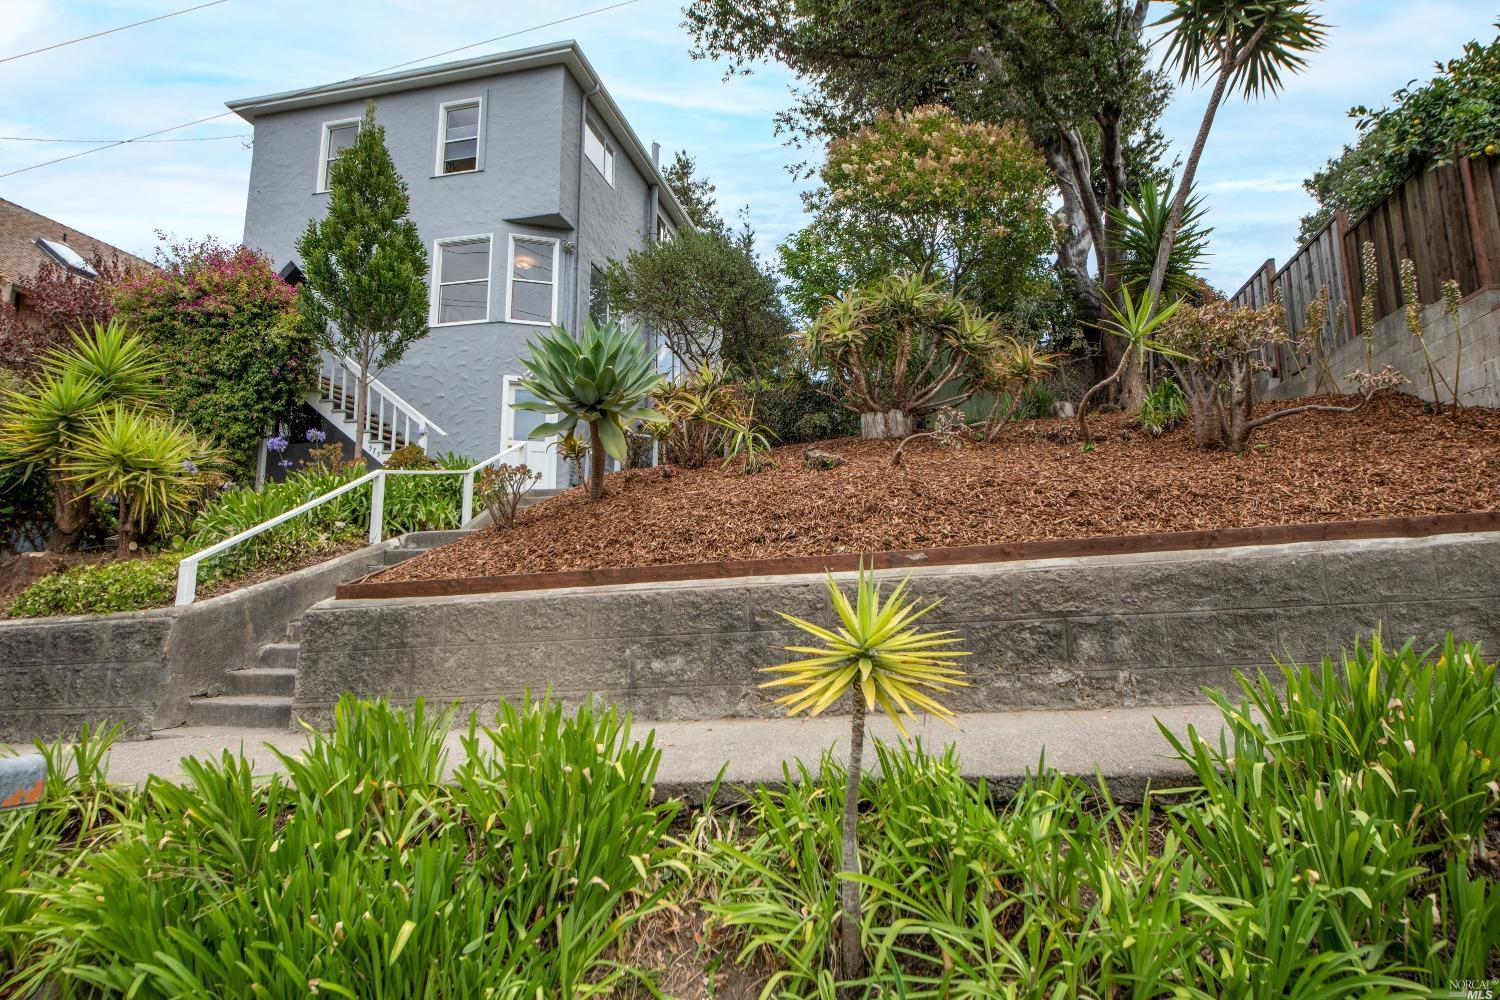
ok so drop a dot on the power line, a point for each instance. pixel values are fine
(224, 114)
(198, 138)
(111, 31)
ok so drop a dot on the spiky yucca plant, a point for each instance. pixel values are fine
(158, 469)
(877, 657)
(602, 379)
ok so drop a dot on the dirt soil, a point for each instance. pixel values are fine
(1391, 458)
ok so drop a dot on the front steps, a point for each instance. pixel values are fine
(260, 696)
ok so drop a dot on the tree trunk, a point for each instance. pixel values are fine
(125, 538)
(887, 424)
(70, 517)
(596, 462)
(361, 417)
(851, 955)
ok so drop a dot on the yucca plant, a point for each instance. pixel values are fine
(1137, 322)
(880, 660)
(1010, 373)
(40, 423)
(601, 379)
(156, 469)
(1138, 228)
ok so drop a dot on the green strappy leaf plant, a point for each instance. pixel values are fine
(602, 379)
(877, 657)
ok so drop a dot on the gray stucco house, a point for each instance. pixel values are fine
(525, 181)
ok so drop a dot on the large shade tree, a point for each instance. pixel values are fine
(1074, 72)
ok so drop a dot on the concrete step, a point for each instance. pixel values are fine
(241, 711)
(294, 630)
(278, 654)
(278, 682)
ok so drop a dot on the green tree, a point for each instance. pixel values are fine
(1456, 114)
(708, 297)
(241, 357)
(963, 202)
(1075, 72)
(694, 192)
(365, 265)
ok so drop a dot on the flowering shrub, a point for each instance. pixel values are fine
(502, 489)
(241, 357)
(58, 301)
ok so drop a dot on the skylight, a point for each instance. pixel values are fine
(67, 257)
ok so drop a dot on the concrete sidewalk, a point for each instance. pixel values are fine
(1123, 744)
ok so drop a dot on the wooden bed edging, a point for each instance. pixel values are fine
(1051, 548)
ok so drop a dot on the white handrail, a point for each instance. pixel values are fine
(339, 370)
(187, 569)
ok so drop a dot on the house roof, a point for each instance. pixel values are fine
(20, 255)
(565, 53)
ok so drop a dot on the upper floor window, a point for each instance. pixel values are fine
(461, 282)
(459, 125)
(600, 153)
(533, 280)
(337, 137)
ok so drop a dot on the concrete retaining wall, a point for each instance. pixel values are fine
(1393, 343)
(141, 667)
(1057, 633)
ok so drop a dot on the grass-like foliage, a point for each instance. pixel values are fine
(1332, 845)
(364, 872)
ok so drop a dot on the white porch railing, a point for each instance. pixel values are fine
(396, 422)
(187, 569)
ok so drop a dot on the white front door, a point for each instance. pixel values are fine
(516, 425)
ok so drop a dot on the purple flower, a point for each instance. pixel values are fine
(421, 432)
(285, 463)
(188, 465)
(315, 436)
(276, 444)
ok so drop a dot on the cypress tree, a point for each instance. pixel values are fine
(365, 266)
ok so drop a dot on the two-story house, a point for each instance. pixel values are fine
(525, 180)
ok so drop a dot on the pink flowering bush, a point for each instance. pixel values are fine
(240, 356)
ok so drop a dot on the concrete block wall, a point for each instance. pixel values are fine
(1394, 344)
(1061, 633)
(140, 668)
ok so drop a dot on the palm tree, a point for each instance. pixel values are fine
(882, 662)
(602, 380)
(1247, 45)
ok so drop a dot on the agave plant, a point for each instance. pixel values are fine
(881, 661)
(158, 469)
(602, 379)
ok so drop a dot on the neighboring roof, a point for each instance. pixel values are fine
(21, 255)
(565, 53)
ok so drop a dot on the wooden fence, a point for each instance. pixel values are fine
(1445, 220)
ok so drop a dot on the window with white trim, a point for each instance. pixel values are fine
(599, 151)
(533, 280)
(462, 281)
(459, 127)
(337, 137)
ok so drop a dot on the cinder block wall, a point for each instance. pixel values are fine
(1394, 344)
(1062, 633)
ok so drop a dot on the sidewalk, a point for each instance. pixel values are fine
(1123, 744)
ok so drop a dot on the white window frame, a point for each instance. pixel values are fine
(437, 279)
(442, 136)
(608, 171)
(511, 279)
(320, 183)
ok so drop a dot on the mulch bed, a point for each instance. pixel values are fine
(1390, 459)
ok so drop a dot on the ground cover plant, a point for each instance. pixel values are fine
(1339, 839)
(1034, 483)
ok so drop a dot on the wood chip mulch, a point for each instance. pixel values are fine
(1390, 459)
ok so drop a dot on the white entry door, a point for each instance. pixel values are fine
(516, 425)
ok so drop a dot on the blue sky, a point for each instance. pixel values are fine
(186, 67)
